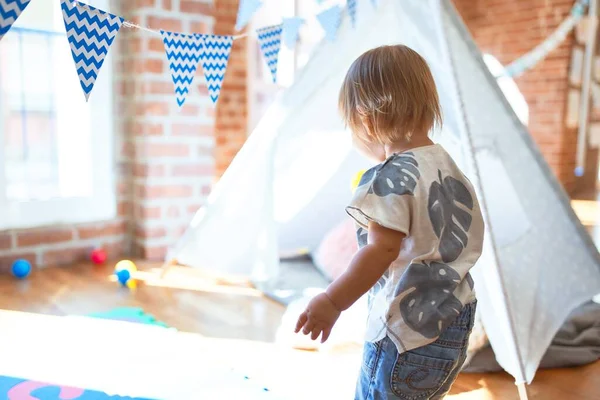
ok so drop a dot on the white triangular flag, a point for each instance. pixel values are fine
(291, 30)
(269, 40)
(330, 21)
(183, 53)
(246, 10)
(90, 32)
(9, 12)
(352, 11)
(214, 57)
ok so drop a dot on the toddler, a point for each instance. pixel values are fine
(419, 229)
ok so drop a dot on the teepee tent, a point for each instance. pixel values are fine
(289, 184)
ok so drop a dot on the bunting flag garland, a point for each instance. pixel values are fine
(330, 21)
(9, 12)
(214, 56)
(183, 53)
(269, 40)
(90, 32)
(352, 11)
(246, 9)
(291, 31)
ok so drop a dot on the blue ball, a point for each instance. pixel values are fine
(21, 268)
(579, 171)
(123, 276)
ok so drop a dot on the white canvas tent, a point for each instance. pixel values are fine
(288, 185)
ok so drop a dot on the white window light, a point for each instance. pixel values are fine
(56, 150)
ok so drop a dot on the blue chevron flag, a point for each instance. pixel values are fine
(246, 9)
(269, 40)
(375, 3)
(183, 53)
(9, 12)
(352, 11)
(214, 56)
(90, 32)
(291, 31)
(330, 21)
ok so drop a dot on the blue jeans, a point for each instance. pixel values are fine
(425, 373)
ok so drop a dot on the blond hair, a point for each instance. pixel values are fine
(388, 95)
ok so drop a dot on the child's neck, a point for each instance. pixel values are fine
(399, 147)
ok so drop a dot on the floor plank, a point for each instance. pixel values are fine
(232, 312)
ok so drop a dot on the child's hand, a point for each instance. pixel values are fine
(319, 317)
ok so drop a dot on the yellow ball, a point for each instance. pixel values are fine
(356, 179)
(126, 264)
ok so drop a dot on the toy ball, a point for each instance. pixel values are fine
(127, 265)
(21, 268)
(123, 276)
(356, 179)
(98, 256)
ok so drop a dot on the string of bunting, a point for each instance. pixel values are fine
(91, 32)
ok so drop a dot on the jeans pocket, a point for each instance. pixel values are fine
(370, 357)
(417, 377)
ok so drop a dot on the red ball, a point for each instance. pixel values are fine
(98, 256)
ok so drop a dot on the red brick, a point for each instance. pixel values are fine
(101, 230)
(5, 241)
(167, 24)
(199, 27)
(147, 129)
(114, 251)
(149, 232)
(191, 130)
(148, 170)
(151, 66)
(6, 261)
(167, 4)
(164, 150)
(124, 208)
(127, 150)
(65, 256)
(190, 110)
(158, 108)
(44, 236)
(154, 253)
(165, 87)
(192, 170)
(196, 7)
(164, 191)
(193, 208)
(173, 212)
(156, 44)
(146, 212)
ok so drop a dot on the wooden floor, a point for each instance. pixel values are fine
(244, 314)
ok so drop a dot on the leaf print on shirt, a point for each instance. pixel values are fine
(398, 175)
(450, 222)
(362, 237)
(427, 303)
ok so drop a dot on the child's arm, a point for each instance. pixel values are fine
(365, 269)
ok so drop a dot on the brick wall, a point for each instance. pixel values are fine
(165, 155)
(231, 125)
(509, 28)
(167, 151)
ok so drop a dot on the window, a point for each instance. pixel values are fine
(56, 152)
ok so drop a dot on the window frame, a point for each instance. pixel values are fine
(102, 203)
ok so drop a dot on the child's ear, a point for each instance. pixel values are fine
(368, 126)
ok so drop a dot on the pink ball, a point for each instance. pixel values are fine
(98, 256)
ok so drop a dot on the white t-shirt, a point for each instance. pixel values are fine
(423, 194)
